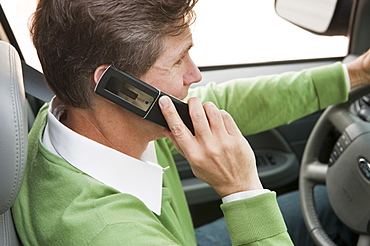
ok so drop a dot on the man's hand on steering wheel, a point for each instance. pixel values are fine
(359, 70)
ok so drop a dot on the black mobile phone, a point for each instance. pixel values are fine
(138, 97)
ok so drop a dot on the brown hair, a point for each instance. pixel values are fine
(74, 37)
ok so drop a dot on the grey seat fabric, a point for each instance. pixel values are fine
(13, 138)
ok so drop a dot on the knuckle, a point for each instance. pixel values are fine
(215, 151)
(177, 130)
(225, 149)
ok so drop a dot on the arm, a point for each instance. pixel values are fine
(265, 102)
(256, 103)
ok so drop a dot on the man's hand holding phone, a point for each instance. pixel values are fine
(218, 153)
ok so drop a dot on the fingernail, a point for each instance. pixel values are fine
(164, 101)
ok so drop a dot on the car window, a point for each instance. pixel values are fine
(249, 31)
(18, 13)
(226, 32)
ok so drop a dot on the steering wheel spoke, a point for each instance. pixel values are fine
(316, 172)
(341, 118)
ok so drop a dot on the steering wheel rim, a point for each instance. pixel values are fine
(313, 171)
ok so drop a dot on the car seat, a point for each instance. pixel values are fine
(13, 138)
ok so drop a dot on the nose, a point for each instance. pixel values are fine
(192, 73)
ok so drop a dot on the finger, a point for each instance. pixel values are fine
(214, 116)
(198, 117)
(230, 124)
(177, 127)
(173, 139)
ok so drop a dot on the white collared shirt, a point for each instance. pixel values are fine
(140, 178)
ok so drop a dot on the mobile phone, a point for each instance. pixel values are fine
(138, 97)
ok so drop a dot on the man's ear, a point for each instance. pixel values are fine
(99, 72)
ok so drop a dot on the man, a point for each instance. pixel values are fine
(94, 174)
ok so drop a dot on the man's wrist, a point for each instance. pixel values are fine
(243, 195)
(346, 76)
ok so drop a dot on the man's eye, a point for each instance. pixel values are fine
(179, 61)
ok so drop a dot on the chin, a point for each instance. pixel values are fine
(184, 96)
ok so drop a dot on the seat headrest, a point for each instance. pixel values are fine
(13, 126)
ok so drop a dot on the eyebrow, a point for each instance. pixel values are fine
(186, 50)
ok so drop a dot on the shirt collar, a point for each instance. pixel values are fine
(140, 178)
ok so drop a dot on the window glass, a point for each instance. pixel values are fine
(18, 13)
(226, 32)
(247, 31)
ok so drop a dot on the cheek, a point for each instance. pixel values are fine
(168, 80)
(170, 84)
(175, 88)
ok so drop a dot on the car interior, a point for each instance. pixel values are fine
(290, 157)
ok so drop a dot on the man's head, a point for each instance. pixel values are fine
(74, 37)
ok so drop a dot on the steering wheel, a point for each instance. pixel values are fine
(346, 173)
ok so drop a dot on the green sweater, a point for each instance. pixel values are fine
(59, 205)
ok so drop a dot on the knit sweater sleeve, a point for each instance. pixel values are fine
(256, 221)
(265, 102)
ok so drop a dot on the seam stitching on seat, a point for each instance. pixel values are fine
(21, 143)
(2, 226)
(16, 128)
(18, 120)
(7, 228)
